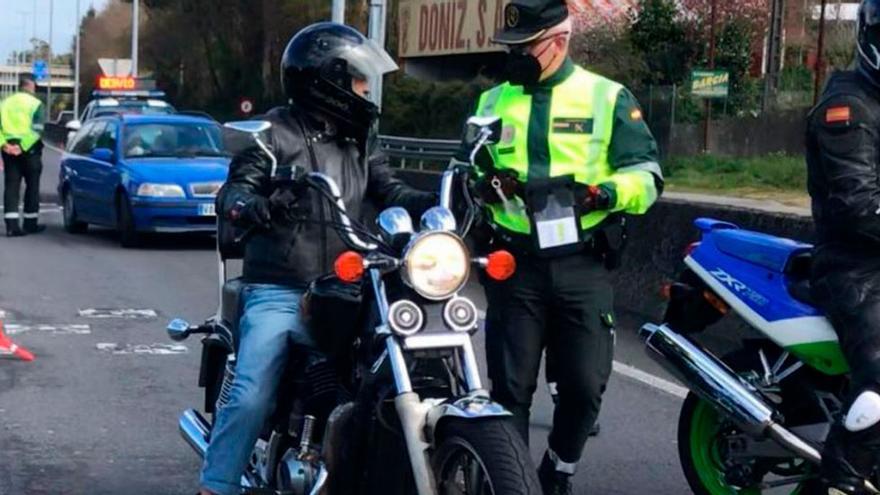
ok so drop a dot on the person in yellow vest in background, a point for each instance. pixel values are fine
(21, 122)
(574, 157)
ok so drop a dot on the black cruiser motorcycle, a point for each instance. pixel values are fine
(408, 413)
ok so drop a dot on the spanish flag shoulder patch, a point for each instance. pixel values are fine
(837, 115)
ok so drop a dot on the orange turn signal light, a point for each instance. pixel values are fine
(500, 265)
(349, 267)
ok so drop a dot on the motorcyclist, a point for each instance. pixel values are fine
(326, 127)
(843, 156)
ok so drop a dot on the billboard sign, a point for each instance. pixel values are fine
(431, 28)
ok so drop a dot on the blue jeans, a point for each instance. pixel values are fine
(270, 326)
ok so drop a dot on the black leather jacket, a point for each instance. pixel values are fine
(297, 249)
(843, 160)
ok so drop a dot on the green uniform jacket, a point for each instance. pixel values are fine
(21, 118)
(574, 123)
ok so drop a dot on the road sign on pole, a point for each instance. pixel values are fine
(40, 70)
(115, 67)
(246, 106)
(710, 83)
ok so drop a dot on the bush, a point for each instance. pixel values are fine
(427, 109)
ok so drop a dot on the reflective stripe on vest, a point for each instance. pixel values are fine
(17, 118)
(581, 123)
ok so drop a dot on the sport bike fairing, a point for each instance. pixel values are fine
(747, 270)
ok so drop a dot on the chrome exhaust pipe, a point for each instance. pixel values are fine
(716, 383)
(195, 429)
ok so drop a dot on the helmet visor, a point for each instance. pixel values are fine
(366, 61)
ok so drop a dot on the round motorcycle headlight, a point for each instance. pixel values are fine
(460, 314)
(405, 317)
(437, 265)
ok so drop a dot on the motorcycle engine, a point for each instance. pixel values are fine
(296, 475)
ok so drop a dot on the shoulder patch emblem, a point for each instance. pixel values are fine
(834, 115)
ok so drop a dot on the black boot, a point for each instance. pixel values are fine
(847, 458)
(553, 482)
(13, 229)
(31, 226)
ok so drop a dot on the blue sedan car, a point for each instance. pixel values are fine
(143, 173)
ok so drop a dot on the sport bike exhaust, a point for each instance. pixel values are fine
(716, 383)
(194, 429)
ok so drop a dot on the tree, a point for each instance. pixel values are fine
(658, 32)
(609, 50)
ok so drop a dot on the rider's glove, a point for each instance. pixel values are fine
(251, 213)
(595, 198)
(498, 186)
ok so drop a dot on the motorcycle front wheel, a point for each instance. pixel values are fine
(483, 457)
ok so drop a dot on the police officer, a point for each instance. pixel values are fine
(843, 156)
(21, 122)
(574, 155)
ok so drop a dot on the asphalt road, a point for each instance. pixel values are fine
(82, 419)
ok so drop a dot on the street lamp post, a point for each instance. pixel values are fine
(76, 66)
(135, 5)
(49, 64)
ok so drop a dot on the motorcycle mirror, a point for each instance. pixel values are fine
(395, 225)
(249, 126)
(178, 329)
(438, 218)
(477, 126)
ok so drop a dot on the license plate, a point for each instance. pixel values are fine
(207, 210)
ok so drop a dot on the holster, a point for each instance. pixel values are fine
(609, 242)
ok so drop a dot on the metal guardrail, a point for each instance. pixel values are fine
(424, 153)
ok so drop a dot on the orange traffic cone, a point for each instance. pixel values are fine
(8, 347)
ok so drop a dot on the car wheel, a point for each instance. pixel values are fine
(72, 223)
(128, 235)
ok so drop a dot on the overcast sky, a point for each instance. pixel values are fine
(14, 12)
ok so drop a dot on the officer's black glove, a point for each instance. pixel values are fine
(255, 212)
(595, 198)
(493, 185)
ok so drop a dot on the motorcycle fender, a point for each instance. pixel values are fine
(472, 407)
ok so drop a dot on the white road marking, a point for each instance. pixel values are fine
(118, 313)
(153, 349)
(14, 329)
(45, 208)
(650, 380)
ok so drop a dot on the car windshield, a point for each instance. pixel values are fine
(179, 140)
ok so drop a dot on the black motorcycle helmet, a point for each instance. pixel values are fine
(319, 66)
(869, 39)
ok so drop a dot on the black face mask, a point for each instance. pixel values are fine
(522, 69)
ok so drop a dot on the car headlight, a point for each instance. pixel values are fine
(161, 190)
(437, 265)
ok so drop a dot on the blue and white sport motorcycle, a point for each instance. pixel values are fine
(756, 418)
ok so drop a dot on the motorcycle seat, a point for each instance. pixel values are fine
(767, 251)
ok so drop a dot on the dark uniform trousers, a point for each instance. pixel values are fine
(27, 166)
(565, 305)
(846, 283)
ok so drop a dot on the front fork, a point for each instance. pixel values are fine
(412, 410)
